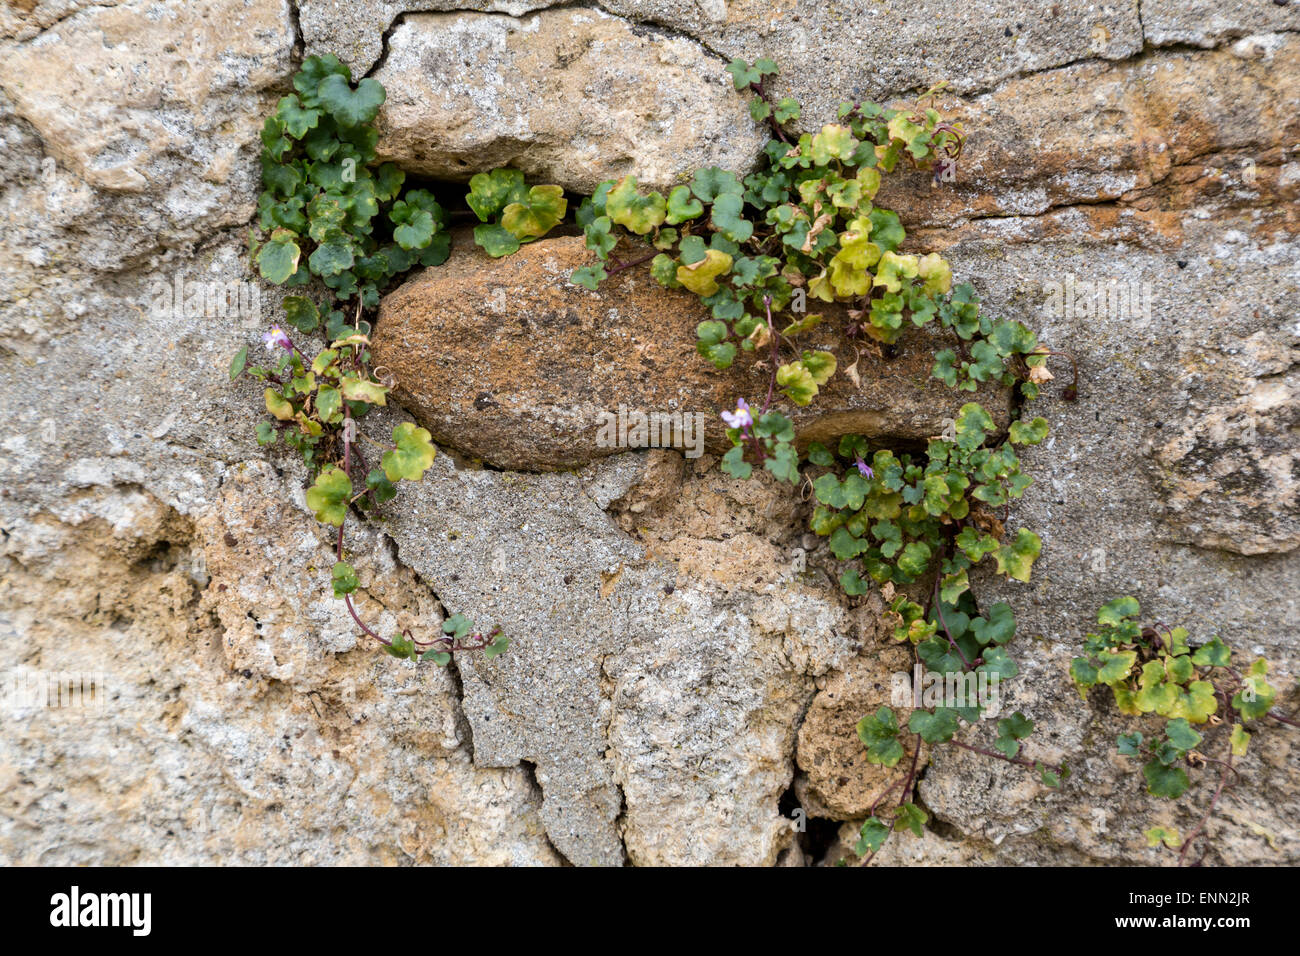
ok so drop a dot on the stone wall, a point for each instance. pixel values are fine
(684, 670)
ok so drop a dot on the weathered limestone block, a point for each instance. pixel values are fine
(1143, 139)
(837, 781)
(115, 91)
(570, 96)
(242, 719)
(508, 361)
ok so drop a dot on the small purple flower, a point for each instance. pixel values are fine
(276, 339)
(741, 417)
(864, 469)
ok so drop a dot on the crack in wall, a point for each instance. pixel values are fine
(530, 774)
(464, 728)
(651, 25)
(639, 26)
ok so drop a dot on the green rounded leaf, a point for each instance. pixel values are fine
(701, 277)
(879, 734)
(589, 277)
(351, 107)
(682, 206)
(711, 182)
(934, 728)
(1164, 781)
(1029, 433)
(535, 215)
(278, 257)
(383, 489)
(238, 363)
(734, 464)
(413, 456)
(328, 497)
(296, 118)
(1114, 612)
(490, 193)
(637, 212)
(344, 579)
(1017, 558)
(497, 241)
(872, 836)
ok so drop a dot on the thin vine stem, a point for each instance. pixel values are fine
(1205, 819)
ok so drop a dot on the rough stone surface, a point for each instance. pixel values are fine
(837, 782)
(859, 49)
(510, 362)
(121, 96)
(355, 32)
(684, 667)
(1155, 135)
(1206, 23)
(657, 699)
(830, 52)
(470, 92)
(244, 724)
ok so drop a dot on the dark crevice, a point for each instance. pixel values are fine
(530, 770)
(816, 837)
(383, 41)
(946, 831)
(821, 839)
(465, 730)
(299, 41)
(463, 727)
(620, 822)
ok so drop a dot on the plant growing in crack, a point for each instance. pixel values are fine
(805, 226)
(1155, 670)
(331, 218)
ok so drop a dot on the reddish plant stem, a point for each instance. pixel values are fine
(871, 811)
(902, 799)
(628, 265)
(1020, 761)
(1223, 781)
(939, 608)
(771, 116)
(338, 546)
(347, 599)
(776, 354)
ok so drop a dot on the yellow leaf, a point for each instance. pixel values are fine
(279, 406)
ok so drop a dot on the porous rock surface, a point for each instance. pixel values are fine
(511, 363)
(684, 669)
(470, 91)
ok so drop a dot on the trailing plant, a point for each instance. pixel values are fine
(805, 226)
(755, 249)
(512, 213)
(320, 208)
(1155, 670)
(337, 224)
